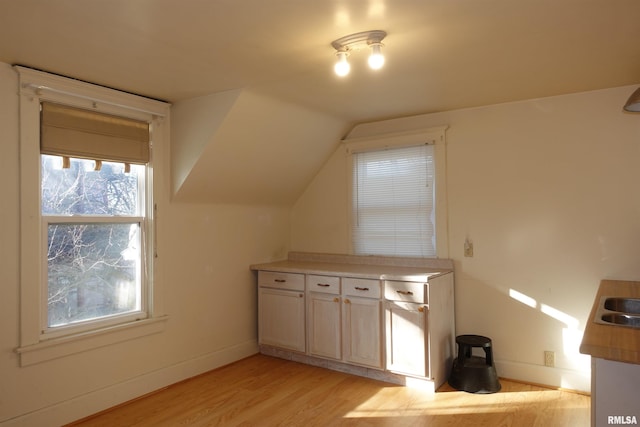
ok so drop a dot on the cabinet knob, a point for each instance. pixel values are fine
(301, 295)
(336, 299)
(347, 301)
(421, 309)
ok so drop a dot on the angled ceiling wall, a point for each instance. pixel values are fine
(243, 147)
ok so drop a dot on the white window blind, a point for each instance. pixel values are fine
(393, 202)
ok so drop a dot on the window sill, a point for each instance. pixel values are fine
(65, 346)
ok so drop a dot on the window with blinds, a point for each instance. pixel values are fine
(394, 202)
(94, 193)
(88, 205)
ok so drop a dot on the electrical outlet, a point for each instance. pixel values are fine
(549, 359)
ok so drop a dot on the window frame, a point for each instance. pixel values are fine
(35, 345)
(433, 136)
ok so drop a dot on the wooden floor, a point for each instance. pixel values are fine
(265, 391)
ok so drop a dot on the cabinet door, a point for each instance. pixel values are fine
(281, 318)
(407, 338)
(324, 325)
(362, 321)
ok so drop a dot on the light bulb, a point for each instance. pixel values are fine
(376, 59)
(342, 67)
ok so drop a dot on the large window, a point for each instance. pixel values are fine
(93, 198)
(393, 206)
(95, 222)
(398, 204)
(88, 243)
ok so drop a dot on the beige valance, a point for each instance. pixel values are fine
(75, 132)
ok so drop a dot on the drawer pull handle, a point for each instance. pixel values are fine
(405, 292)
(324, 285)
(358, 288)
(280, 280)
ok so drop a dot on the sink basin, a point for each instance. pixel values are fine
(623, 305)
(619, 311)
(621, 319)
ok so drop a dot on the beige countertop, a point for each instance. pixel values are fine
(612, 342)
(383, 268)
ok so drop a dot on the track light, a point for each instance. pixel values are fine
(342, 67)
(347, 44)
(376, 59)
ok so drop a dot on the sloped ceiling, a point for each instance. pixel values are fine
(441, 55)
(244, 147)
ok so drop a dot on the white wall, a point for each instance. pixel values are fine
(547, 190)
(209, 295)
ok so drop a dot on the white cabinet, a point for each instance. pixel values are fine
(345, 325)
(420, 327)
(323, 312)
(362, 322)
(385, 329)
(614, 392)
(281, 311)
(362, 332)
(406, 343)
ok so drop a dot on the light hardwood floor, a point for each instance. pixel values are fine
(265, 391)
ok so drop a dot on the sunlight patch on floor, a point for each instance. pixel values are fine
(458, 403)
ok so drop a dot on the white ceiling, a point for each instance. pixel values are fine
(274, 60)
(441, 54)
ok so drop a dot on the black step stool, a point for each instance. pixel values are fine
(474, 374)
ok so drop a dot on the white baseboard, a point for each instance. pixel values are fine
(116, 394)
(538, 374)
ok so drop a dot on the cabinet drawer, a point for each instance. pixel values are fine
(367, 288)
(406, 291)
(324, 284)
(275, 279)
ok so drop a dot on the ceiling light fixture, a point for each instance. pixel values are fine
(342, 67)
(347, 44)
(633, 103)
(376, 59)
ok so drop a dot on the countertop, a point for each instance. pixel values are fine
(612, 342)
(383, 268)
